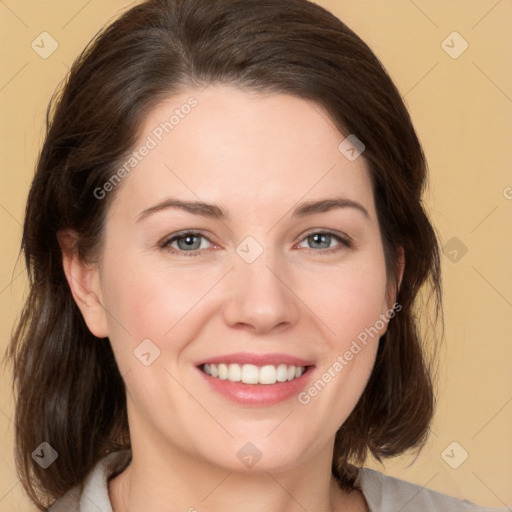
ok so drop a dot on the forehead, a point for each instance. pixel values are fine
(241, 149)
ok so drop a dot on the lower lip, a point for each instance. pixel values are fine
(258, 394)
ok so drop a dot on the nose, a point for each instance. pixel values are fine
(260, 297)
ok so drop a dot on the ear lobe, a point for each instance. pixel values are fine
(400, 266)
(84, 283)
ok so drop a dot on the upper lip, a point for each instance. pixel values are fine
(257, 359)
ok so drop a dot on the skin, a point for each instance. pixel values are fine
(258, 157)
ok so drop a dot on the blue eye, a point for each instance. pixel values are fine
(190, 243)
(319, 240)
(186, 242)
(322, 240)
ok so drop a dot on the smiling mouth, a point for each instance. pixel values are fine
(252, 374)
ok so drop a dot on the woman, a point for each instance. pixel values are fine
(225, 241)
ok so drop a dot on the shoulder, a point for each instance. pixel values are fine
(92, 495)
(388, 494)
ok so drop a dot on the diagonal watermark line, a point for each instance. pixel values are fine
(491, 80)
(10, 490)
(10, 419)
(414, 497)
(5, 5)
(92, 502)
(488, 215)
(493, 287)
(115, 319)
(76, 14)
(307, 192)
(286, 491)
(199, 403)
(485, 15)
(279, 424)
(11, 281)
(420, 80)
(165, 165)
(14, 76)
(103, 307)
(509, 507)
(501, 409)
(216, 487)
(300, 299)
(424, 13)
(198, 301)
(10, 215)
(168, 168)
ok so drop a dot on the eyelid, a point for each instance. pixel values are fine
(343, 238)
(336, 234)
(164, 243)
(345, 242)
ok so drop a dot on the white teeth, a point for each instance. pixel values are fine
(252, 374)
(282, 373)
(268, 374)
(223, 371)
(234, 373)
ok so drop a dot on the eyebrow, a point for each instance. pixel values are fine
(324, 205)
(216, 212)
(194, 207)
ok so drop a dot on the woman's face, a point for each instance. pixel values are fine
(273, 262)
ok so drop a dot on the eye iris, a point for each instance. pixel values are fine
(190, 242)
(322, 240)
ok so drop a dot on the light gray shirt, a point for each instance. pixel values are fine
(382, 493)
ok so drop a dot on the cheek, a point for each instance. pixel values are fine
(144, 301)
(351, 313)
(349, 299)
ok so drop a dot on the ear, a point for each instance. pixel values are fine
(400, 267)
(393, 288)
(399, 273)
(83, 280)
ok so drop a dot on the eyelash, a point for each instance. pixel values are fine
(166, 244)
(344, 240)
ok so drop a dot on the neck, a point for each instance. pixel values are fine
(176, 481)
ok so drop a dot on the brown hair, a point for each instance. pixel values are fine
(69, 390)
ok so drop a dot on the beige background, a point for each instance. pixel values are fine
(462, 110)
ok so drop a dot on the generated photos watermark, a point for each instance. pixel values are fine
(344, 359)
(152, 140)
